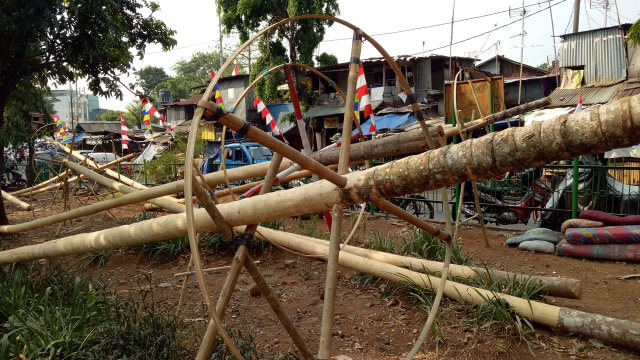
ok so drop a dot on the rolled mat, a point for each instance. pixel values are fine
(617, 252)
(609, 219)
(604, 235)
(579, 223)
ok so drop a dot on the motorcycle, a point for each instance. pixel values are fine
(511, 199)
(597, 191)
(15, 181)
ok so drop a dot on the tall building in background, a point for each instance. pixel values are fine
(85, 106)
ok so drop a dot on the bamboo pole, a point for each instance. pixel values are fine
(328, 308)
(594, 130)
(15, 201)
(207, 343)
(208, 270)
(476, 196)
(613, 331)
(554, 286)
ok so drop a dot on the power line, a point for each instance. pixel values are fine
(432, 26)
(180, 48)
(486, 32)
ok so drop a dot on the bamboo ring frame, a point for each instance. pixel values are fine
(189, 156)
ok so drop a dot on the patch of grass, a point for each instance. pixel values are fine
(215, 241)
(309, 228)
(493, 314)
(138, 218)
(99, 258)
(47, 313)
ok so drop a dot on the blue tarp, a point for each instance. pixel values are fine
(278, 111)
(391, 121)
(78, 138)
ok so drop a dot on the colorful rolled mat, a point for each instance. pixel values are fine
(604, 235)
(617, 252)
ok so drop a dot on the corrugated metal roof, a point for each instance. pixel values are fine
(601, 52)
(592, 95)
(327, 110)
(627, 89)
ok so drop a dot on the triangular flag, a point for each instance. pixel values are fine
(235, 71)
(268, 119)
(362, 97)
(125, 134)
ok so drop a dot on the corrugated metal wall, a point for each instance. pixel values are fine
(604, 61)
(634, 62)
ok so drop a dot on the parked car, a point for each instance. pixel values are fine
(241, 154)
(238, 155)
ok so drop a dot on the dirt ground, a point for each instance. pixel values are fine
(366, 325)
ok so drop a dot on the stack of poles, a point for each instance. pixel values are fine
(627, 112)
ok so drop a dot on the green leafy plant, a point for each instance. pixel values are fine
(46, 312)
(165, 168)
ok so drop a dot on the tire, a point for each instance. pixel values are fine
(418, 208)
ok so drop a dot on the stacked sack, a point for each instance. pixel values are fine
(539, 240)
(601, 236)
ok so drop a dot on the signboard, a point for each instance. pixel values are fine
(330, 123)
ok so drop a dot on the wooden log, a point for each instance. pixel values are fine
(593, 130)
(609, 330)
(15, 201)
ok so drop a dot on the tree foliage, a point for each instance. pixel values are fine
(325, 59)
(133, 114)
(189, 74)
(303, 36)
(110, 115)
(274, 53)
(150, 76)
(634, 34)
(546, 67)
(60, 41)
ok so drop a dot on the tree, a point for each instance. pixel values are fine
(60, 41)
(546, 67)
(303, 36)
(149, 77)
(271, 54)
(110, 115)
(325, 59)
(634, 34)
(24, 101)
(190, 73)
(133, 114)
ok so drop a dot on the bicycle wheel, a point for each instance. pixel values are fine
(419, 207)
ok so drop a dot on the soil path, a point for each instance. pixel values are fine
(367, 326)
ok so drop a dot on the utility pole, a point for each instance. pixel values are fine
(524, 11)
(220, 31)
(453, 10)
(71, 105)
(576, 15)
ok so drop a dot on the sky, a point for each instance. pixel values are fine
(404, 27)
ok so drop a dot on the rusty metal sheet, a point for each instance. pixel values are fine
(490, 93)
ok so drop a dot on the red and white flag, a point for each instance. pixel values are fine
(125, 134)
(364, 100)
(235, 71)
(153, 112)
(268, 119)
(579, 107)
